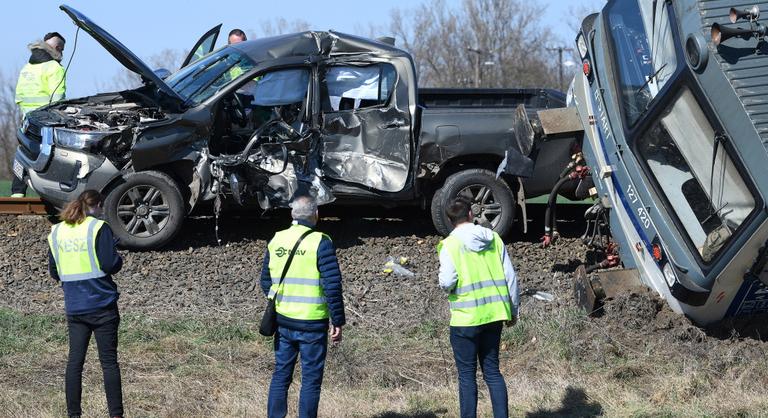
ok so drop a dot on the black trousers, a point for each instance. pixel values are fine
(18, 186)
(103, 324)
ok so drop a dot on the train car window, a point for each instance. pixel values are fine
(703, 186)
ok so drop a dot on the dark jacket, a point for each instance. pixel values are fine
(330, 281)
(87, 296)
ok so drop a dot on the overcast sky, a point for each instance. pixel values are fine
(148, 27)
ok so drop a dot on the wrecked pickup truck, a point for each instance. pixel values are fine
(332, 115)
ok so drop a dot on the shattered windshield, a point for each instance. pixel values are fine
(644, 50)
(203, 78)
(698, 177)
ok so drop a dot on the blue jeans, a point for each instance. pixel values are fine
(312, 346)
(471, 344)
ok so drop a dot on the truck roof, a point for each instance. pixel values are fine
(314, 43)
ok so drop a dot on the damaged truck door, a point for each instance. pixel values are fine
(366, 125)
(272, 152)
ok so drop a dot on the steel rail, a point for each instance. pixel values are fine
(22, 206)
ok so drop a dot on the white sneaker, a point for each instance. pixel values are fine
(17, 195)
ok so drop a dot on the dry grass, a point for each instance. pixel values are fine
(205, 367)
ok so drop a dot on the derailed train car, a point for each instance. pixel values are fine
(673, 103)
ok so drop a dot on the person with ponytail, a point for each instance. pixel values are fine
(82, 256)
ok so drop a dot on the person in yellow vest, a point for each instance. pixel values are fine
(306, 298)
(41, 81)
(235, 37)
(478, 275)
(82, 256)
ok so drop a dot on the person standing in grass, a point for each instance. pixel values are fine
(478, 275)
(310, 294)
(82, 256)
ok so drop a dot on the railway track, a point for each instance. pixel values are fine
(22, 206)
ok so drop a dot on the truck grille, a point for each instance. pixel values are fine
(30, 140)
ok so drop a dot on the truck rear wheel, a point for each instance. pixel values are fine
(493, 202)
(145, 211)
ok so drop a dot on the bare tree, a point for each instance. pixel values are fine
(577, 12)
(9, 122)
(281, 26)
(170, 59)
(483, 43)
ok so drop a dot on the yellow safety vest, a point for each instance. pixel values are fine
(40, 84)
(74, 249)
(481, 295)
(300, 296)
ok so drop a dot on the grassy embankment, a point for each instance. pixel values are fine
(5, 189)
(217, 367)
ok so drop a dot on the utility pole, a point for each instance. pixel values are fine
(478, 53)
(560, 50)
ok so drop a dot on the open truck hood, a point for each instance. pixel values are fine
(120, 52)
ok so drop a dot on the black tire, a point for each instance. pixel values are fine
(494, 203)
(145, 210)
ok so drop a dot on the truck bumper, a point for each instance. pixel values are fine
(57, 174)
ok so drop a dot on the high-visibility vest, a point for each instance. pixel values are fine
(74, 249)
(300, 296)
(235, 72)
(40, 84)
(481, 295)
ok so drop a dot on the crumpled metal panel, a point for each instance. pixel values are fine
(311, 43)
(281, 188)
(369, 147)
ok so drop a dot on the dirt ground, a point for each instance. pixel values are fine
(638, 358)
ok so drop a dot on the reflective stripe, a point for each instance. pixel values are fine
(91, 249)
(301, 282)
(80, 276)
(480, 285)
(479, 302)
(301, 299)
(56, 97)
(55, 245)
(38, 99)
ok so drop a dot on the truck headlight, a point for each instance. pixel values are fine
(669, 274)
(75, 139)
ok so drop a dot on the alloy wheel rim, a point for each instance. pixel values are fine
(143, 211)
(486, 210)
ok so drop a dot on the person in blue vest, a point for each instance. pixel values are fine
(478, 275)
(309, 296)
(82, 256)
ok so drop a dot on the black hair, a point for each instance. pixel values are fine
(458, 210)
(50, 35)
(237, 32)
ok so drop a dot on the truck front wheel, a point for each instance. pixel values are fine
(145, 210)
(493, 202)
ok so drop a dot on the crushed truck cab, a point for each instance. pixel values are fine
(672, 101)
(328, 114)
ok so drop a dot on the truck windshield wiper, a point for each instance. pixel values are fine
(715, 212)
(651, 77)
(719, 138)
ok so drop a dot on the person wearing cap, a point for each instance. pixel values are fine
(41, 81)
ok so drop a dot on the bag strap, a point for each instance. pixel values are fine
(290, 258)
